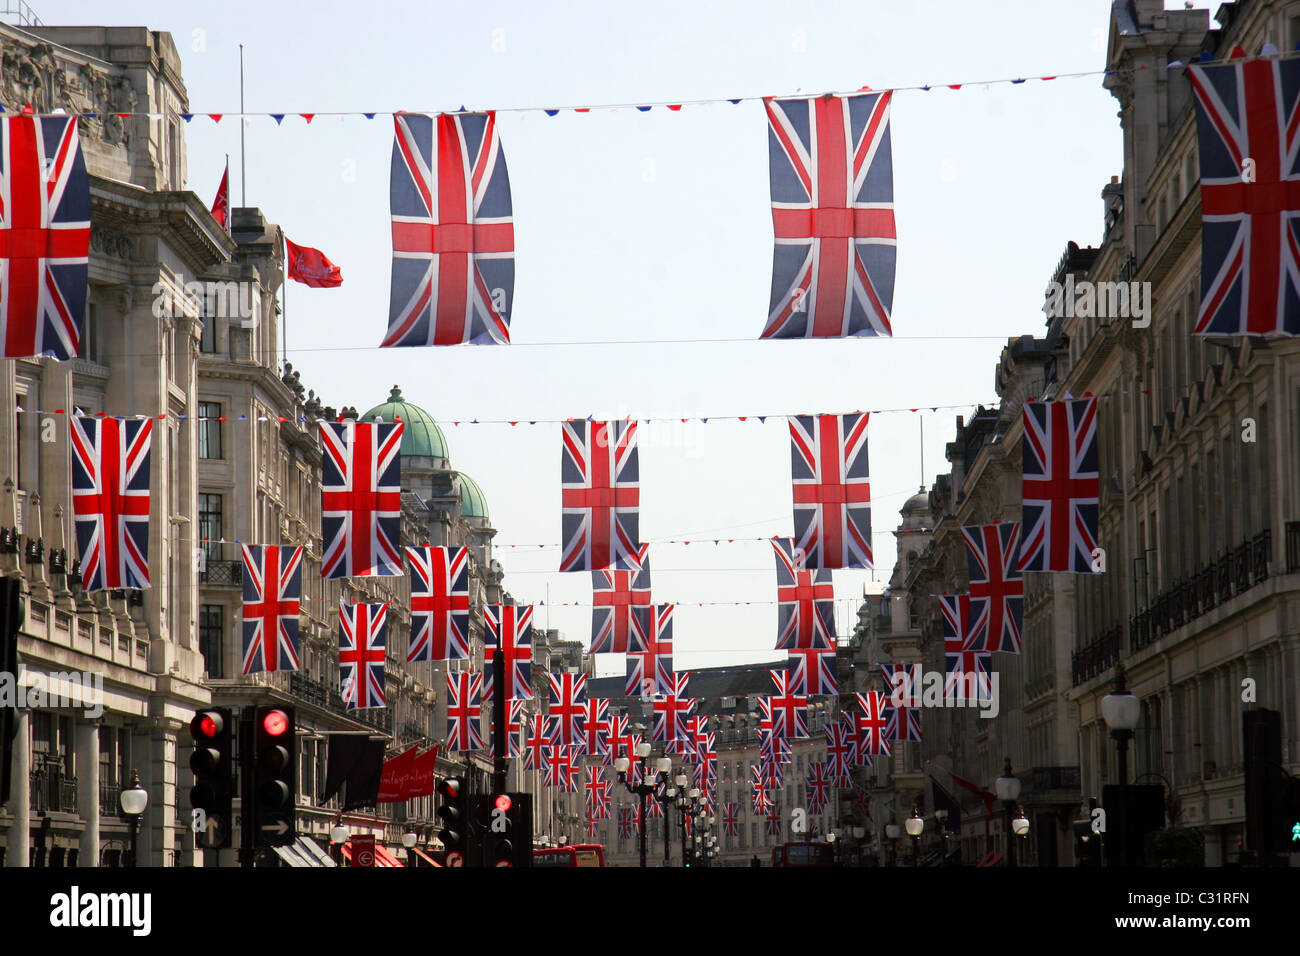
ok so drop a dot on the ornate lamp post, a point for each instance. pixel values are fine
(134, 800)
(338, 837)
(1020, 825)
(1121, 711)
(1007, 787)
(915, 825)
(645, 788)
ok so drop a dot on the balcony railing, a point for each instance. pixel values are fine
(1087, 662)
(51, 791)
(1054, 778)
(222, 573)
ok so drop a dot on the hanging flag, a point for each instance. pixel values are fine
(996, 586)
(983, 794)
(819, 787)
(395, 779)
(649, 672)
(110, 500)
(620, 615)
(362, 646)
(44, 236)
(731, 819)
(439, 604)
(814, 671)
(311, 266)
(1061, 486)
(626, 823)
(841, 751)
(464, 711)
(221, 205)
(558, 767)
(272, 603)
(422, 774)
(758, 790)
(832, 491)
(596, 788)
(968, 671)
(1248, 128)
(671, 707)
(789, 710)
(600, 477)
(805, 612)
(595, 726)
(515, 738)
(453, 278)
(510, 628)
(361, 499)
(568, 707)
(871, 721)
(622, 743)
(903, 701)
(832, 181)
(775, 827)
(536, 745)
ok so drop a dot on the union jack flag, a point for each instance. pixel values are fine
(464, 711)
(572, 770)
(44, 236)
(515, 736)
(969, 671)
(362, 644)
(272, 603)
(993, 552)
(871, 722)
(671, 707)
(814, 670)
(1061, 486)
(620, 616)
(1248, 115)
(439, 604)
(731, 819)
(626, 823)
(600, 480)
(595, 726)
(453, 232)
(832, 181)
(593, 828)
(568, 706)
(509, 627)
(805, 602)
(361, 499)
(774, 823)
(706, 769)
(537, 744)
(650, 672)
(758, 790)
(557, 765)
(902, 693)
(819, 788)
(841, 752)
(597, 793)
(618, 740)
(832, 490)
(789, 710)
(772, 773)
(110, 500)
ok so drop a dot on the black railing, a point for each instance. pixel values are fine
(1292, 546)
(1054, 778)
(52, 792)
(110, 803)
(223, 573)
(1087, 662)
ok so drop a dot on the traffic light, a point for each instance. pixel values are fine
(214, 777)
(1087, 844)
(275, 776)
(505, 822)
(1288, 837)
(453, 811)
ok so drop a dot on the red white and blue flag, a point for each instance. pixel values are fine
(362, 646)
(557, 770)
(1060, 487)
(832, 490)
(997, 587)
(622, 743)
(537, 744)
(44, 236)
(731, 819)
(832, 180)
(568, 707)
(595, 726)
(814, 671)
(453, 232)
(774, 826)
(1248, 125)
(439, 604)
(758, 789)
(903, 696)
(464, 711)
(870, 722)
(841, 751)
(819, 788)
(671, 708)
(789, 709)
(510, 628)
(968, 670)
(650, 672)
(597, 790)
(110, 500)
(515, 727)
(601, 493)
(805, 609)
(620, 615)
(626, 823)
(361, 499)
(272, 603)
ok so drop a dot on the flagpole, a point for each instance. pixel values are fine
(229, 217)
(284, 312)
(243, 185)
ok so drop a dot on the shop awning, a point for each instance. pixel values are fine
(424, 856)
(293, 856)
(312, 850)
(384, 856)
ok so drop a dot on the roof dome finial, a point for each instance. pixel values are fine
(395, 395)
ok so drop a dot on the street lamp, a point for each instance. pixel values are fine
(134, 800)
(1008, 791)
(915, 824)
(1121, 711)
(338, 837)
(646, 787)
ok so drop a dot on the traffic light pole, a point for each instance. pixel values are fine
(246, 822)
(499, 729)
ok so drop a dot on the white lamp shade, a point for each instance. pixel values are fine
(338, 834)
(694, 792)
(643, 749)
(408, 840)
(672, 792)
(1121, 711)
(664, 765)
(1020, 826)
(1008, 788)
(892, 830)
(621, 764)
(914, 826)
(134, 800)
(681, 780)
(831, 837)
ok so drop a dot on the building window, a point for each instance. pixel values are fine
(210, 526)
(89, 346)
(208, 338)
(211, 624)
(209, 430)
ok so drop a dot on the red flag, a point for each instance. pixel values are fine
(422, 774)
(982, 794)
(221, 205)
(310, 267)
(394, 782)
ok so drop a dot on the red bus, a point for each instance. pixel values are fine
(576, 854)
(803, 854)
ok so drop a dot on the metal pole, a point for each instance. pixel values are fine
(1121, 742)
(643, 793)
(246, 788)
(243, 182)
(499, 723)
(1011, 849)
(667, 838)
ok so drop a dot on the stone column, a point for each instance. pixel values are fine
(87, 743)
(18, 848)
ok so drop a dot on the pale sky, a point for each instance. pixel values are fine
(635, 226)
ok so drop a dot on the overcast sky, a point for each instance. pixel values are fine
(635, 226)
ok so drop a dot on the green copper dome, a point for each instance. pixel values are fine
(422, 436)
(473, 503)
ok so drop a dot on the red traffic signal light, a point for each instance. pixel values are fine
(502, 802)
(275, 723)
(207, 724)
